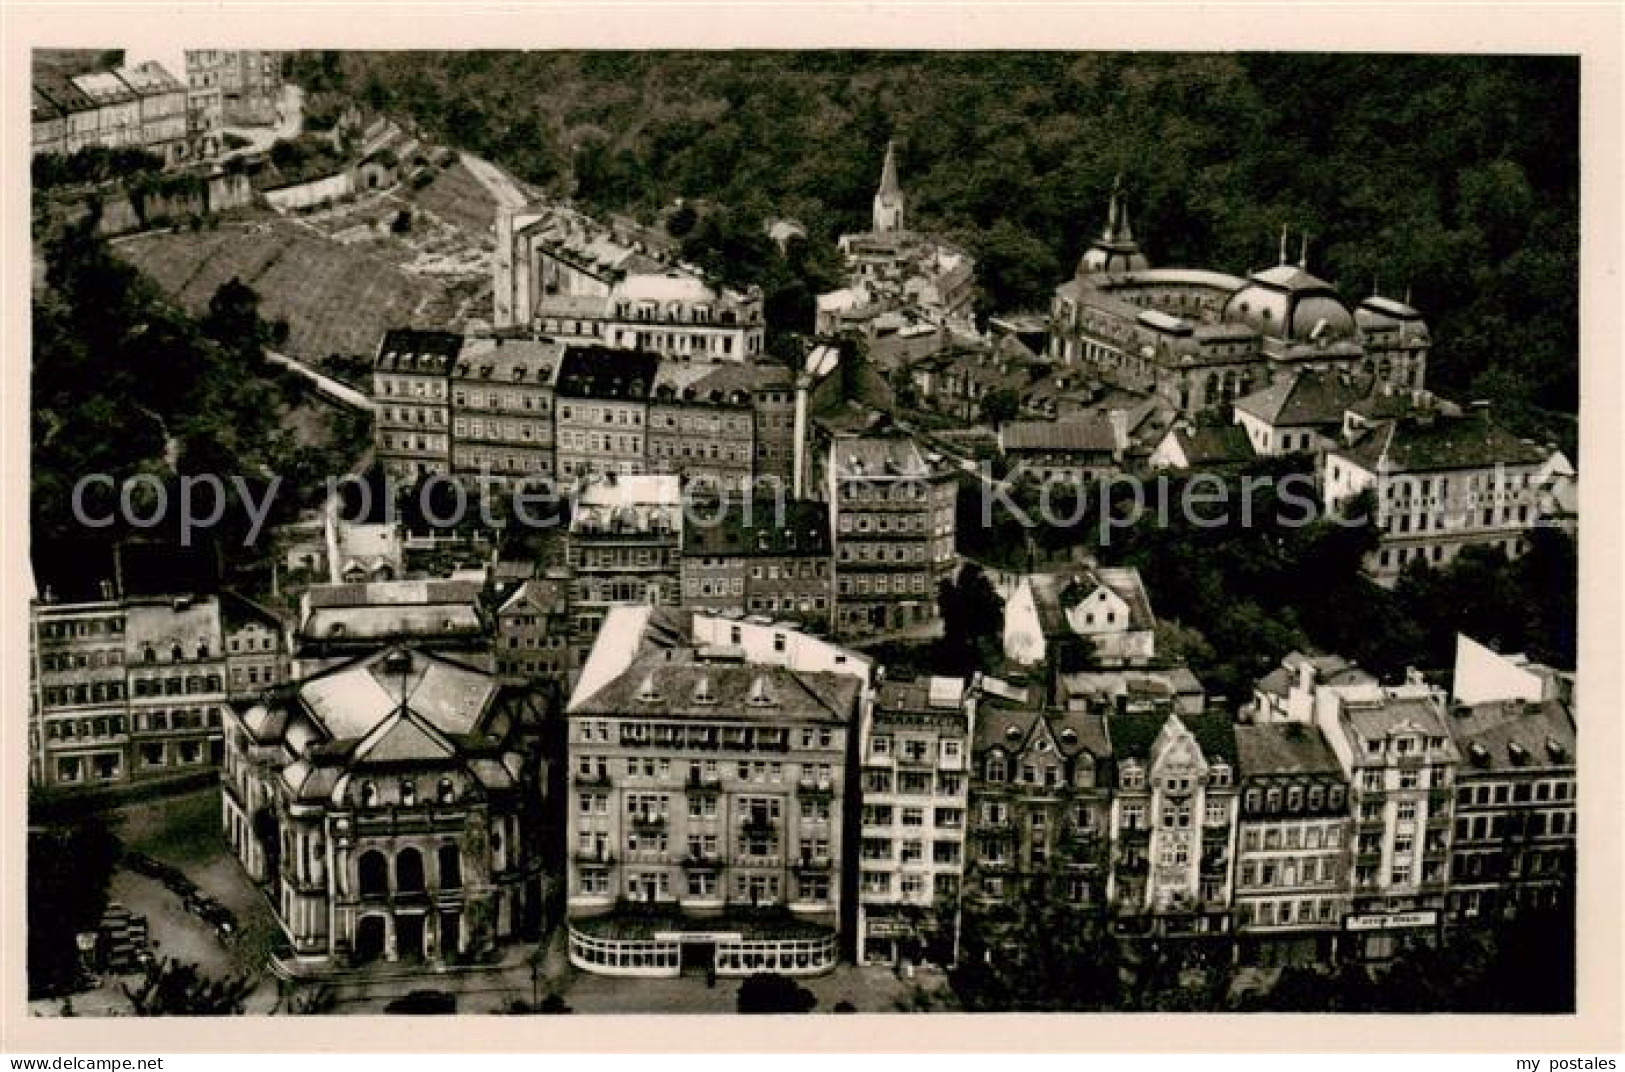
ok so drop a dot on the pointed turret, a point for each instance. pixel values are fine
(1115, 250)
(888, 213)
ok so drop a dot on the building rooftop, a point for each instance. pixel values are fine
(350, 700)
(802, 529)
(1209, 445)
(1437, 441)
(870, 457)
(414, 350)
(678, 683)
(1132, 733)
(502, 360)
(1283, 748)
(1084, 435)
(1307, 397)
(1513, 735)
(597, 372)
(1013, 728)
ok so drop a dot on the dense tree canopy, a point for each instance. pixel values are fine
(1452, 178)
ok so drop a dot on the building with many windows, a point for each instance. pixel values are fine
(126, 690)
(562, 273)
(1441, 483)
(502, 408)
(1040, 803)
(411, 396)
(702, 426)
(393, 810)
(915, 762)
(249, 82)
(601, 411)
(339, 622)
(761, 556)
(893, 512)
(256, 646)
(1173, 822)
(533, 638)
(1394, 746)
(1292, 845)
(1202, 339)
(625, 546)
(708, 796)
(1515, 818)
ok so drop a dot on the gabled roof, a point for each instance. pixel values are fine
(1055, 593)
(1013, 729)
(1133, 733)
(599, 372)
(1311, 397)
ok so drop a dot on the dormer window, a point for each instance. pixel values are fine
(761, 694)
(996, 769)
(702, 691)
(647, 692)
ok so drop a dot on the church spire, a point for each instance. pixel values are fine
(888, 213)
(1117, 225)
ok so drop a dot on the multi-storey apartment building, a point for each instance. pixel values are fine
(162, 109)
(1441, 483)
(1202, 338)
(502, 408)
(601, 411)
(625, 546)
(1515, 833)
(894, 520)
(118, 109)
(79, 732)
(915, 759)
(562, 273)
(411, 393)
(256, 647)
(708, 797)
(1394, 746)
(533, 629)
(702, 426)
(779, 399)
(1040, 801)
(126, 690)
(762, 557)
(1292, 847)
(393, 810)
(249, 82)
(1173, 822)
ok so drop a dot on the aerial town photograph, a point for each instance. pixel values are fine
(802, 532)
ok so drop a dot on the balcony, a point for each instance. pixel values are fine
(810, 863)
(648, 822)
(703, 783)
(814, 790)
(600, 778)
(755, 828)
(702, 862)
(595, 859)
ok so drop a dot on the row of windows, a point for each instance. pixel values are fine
(1482, 793)
(913, 783)
(1531, 824)
(883, 584)
(80, 627)
(1293, 799)
(1313, 871)
(1292, 836)
(886, 815)
(679, 735)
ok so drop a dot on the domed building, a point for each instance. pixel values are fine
(1288, 303)
(393, 810)
(1202, 338)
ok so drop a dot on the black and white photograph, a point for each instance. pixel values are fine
(543, 531)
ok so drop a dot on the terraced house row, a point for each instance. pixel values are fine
(516, 409)
(746, 797)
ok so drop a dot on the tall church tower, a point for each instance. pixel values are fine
(889, 198)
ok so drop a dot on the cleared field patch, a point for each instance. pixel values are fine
(460, 199)
(335, 298)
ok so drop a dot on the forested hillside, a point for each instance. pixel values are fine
(1453, 178)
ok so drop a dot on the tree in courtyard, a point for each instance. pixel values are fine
(70, 863)
(972, 617)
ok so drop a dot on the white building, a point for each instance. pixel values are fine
(1105, 607)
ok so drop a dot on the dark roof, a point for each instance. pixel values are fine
(238, 610)
(1223, 445)
(409, 349)
(600, 372)
(1134, 732)
(1510, 735)
(1311, 396)
(802, 529)
(1283, 748)
(1425, 442)
(1013, 728)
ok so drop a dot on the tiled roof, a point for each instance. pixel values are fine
(1092, 435)
(1054, 593)
(1309, 397)
(499, 360)
(867, 457)
(409, 349)
(1283, 748)
(1011, 728)
(348, 701)
(1133, 733)
(1509, 735)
